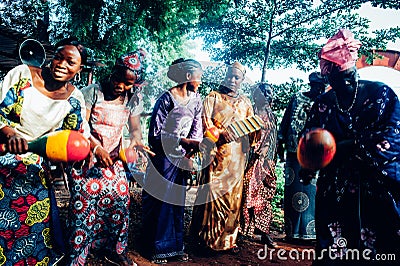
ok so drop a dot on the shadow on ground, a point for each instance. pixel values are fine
(251, 253)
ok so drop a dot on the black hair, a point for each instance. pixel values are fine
(180, 67)
(316, 77)
(75, 42)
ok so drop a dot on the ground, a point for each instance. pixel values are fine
(251, 253)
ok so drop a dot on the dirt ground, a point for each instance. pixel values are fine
(251, 253)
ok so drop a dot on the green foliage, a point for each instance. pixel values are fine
(21, 15)
(110, 28)
(386, 4)
(114, 27)
(272, 34)
(211, 11)
(212, 77)
(283, 92)
(278, 221)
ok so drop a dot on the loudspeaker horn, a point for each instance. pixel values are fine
(32, 53)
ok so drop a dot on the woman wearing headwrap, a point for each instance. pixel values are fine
(358, 193)
(98, 217)
(215, 221)
(260, 176)
(174, 134)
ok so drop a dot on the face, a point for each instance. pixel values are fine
(66, 63)
(233, 79)
(194, 80)
(122, 81)
(260, 99)
(316, 89)
(346, 79)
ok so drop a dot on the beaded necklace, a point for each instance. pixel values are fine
(351, 105)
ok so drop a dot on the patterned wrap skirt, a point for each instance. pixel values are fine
(98, 215)
(26, 225)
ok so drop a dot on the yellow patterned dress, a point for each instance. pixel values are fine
(216, 213)
(26, 236)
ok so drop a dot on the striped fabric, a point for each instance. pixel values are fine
(244, 127)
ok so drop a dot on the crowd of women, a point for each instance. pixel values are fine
(357, 192)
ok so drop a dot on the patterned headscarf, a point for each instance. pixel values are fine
(340, 50)
(134, 62)
(239, 66)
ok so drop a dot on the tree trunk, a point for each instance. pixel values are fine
(265, 63)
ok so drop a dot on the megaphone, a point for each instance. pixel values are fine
(32, 53)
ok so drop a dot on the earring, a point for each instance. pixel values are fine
(77, 77)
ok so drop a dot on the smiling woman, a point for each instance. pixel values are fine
(35, 101)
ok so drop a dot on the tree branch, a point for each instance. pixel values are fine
(352, 3)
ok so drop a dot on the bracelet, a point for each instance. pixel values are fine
(95, 148)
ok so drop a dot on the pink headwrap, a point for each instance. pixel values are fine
(341, 49)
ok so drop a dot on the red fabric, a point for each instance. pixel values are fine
(341, 49)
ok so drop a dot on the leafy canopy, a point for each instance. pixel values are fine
(274, 34)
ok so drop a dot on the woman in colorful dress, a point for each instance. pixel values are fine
(260, 176)
(98, 217)
(174, 134)
(358, 193)
(215, 221)
(34, 102)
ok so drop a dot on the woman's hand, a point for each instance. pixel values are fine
(137, 144)
(13, 143)
(17, 145)
(102, 156)
(223, 138)
(190, 145)
(140, 147)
